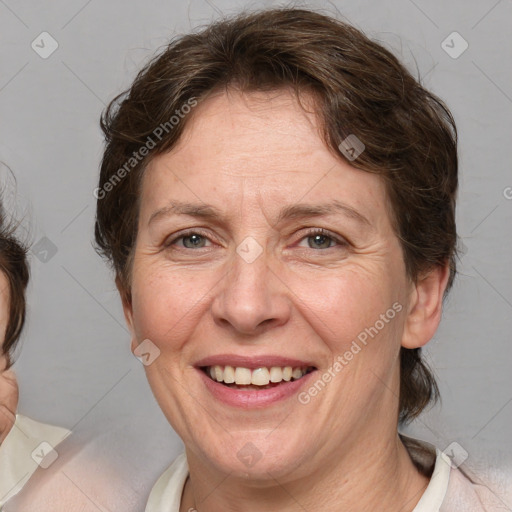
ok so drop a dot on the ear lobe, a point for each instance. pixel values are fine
(126, 300)
(425, 307)
(134, 344)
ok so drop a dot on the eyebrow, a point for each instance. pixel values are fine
(295, 211)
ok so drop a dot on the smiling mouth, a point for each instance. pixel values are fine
(237, 377)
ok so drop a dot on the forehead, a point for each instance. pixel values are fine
(260, 145)
(244, 129)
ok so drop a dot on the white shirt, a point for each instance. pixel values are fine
(124, 482)
(166, 493)
(28, 445)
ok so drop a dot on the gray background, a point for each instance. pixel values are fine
(75, 367)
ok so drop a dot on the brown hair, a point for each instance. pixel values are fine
(13, 263)
(360, 89)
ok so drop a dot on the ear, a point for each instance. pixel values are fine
(425, 307)
(126, 300)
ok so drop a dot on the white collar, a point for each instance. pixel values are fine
(22, 452)
(166, 493)
(434, 494)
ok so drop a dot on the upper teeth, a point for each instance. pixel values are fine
(258, 377)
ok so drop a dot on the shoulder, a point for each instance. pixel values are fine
(74, 477)
(106, 464)
(478, 492)
(454, 487)
(29, 445)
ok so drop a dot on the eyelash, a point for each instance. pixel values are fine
(313, 232)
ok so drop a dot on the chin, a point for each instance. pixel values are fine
(258, 457)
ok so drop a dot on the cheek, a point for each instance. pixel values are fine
(167, 303)
(342, 305)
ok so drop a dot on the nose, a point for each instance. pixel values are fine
(251, 298)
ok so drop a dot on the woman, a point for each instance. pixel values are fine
(25, 444)
(277, 199)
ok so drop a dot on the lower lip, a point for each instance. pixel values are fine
(253, 399)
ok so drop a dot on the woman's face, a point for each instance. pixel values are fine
(8, 385)
(245, 280)
(4, 307)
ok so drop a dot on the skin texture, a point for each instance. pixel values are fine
(249, 156)
(8, 384)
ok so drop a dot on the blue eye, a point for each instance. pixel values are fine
(322, 239)
(317, 238)
(196, 239)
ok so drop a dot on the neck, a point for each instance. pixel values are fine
(380, 476)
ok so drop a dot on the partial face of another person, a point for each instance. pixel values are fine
(8, 385)
(286, 258)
